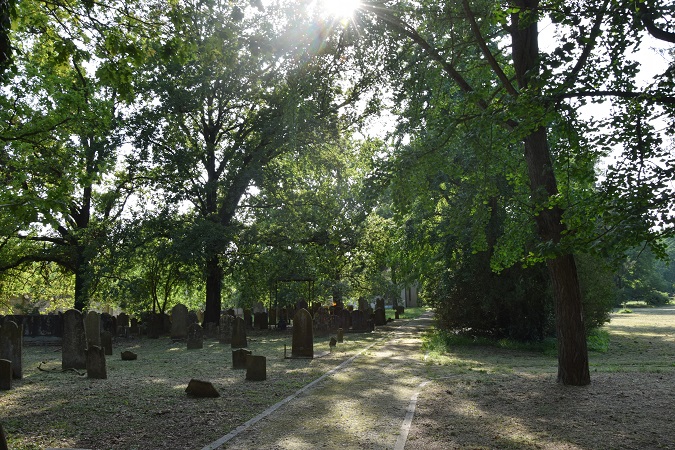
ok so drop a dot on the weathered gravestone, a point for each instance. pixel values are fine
(380, 317)
(248, 318)
(340, 335)
(92, 327)
(106, 342)
(108, 323)
(346, 319)
(128, 355)
(11, 346)
(179, 322)
(225, 329)
(239, 334)
(256, 368)
(303, 335)
(239, 358)
(96, 367)
(155, 325)
(74, 346)
(195, 337)
(332, 343)
(5, 374)
(199, 388)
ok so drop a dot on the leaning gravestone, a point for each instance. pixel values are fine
(225, 329)
(195, 337)
(96, 367)
(239, 358)
(199, 388)
(303, 335)
(5, 374)
(11, 346)
(74, 346)
(92, 327)
(106, 342)
(239, 334)
(256, 368)
(179, 322)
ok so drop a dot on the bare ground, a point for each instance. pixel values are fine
(478, 398)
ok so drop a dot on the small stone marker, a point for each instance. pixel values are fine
(11, 346)
(92, 327)
(303, 335)
(195, 337)
(5, 374)
(239, 334)
(106, 342)
(239, 358)
(179, 322)
(129, 356)
(74, 347)
(96, 367)
(340, 335)
(256, 368)
(199, 388)
(332, 343)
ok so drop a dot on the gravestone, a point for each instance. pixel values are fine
(248, 319)
(379, 317)
(379, 302)
(133, 326)
(303, 335)
(239, 358)
(155, 325)
(128, 356)
(74, 346)
(96, 367)
(363, 304)
(260, 320)
(179, 322)
(225, 329)
(195, 337)
(5, 374)
(332, 343)
(199, 388)
(123, 320)
(256, 368)
(106, 342)
(239, 334)
(340, 335)
(109, 323)
(92, 327)
(11, 346)
(346, 317)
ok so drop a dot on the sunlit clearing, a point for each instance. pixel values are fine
(340, 9)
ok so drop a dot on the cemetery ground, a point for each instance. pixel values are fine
(470, 396)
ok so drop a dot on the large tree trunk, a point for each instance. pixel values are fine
(214, 281)
(571, 334)
(82, 280)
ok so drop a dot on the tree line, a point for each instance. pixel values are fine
(164, 151)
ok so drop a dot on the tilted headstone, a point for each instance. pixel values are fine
(195, 337)
(239, 334)
(303, 335)
(92, 327)
(74, 346)
(179, 322)
(199, 388)
(239, 358)
(106, 342)
(5, 375)
(96, 367)
(11, 346)
(225, 329)
(256, 368)
(380, 317)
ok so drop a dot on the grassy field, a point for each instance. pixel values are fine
(143, 405)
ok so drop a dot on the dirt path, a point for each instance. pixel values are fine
(362, 405)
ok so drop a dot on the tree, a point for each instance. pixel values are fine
(526, 90)
(60, 152)
(230, 90)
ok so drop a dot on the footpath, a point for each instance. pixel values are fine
(365, 403)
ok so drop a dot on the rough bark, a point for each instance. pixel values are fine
(214, 281)
(570, 330)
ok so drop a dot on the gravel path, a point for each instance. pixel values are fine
(361, 405)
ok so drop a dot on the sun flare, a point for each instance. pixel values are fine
(339, 8)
